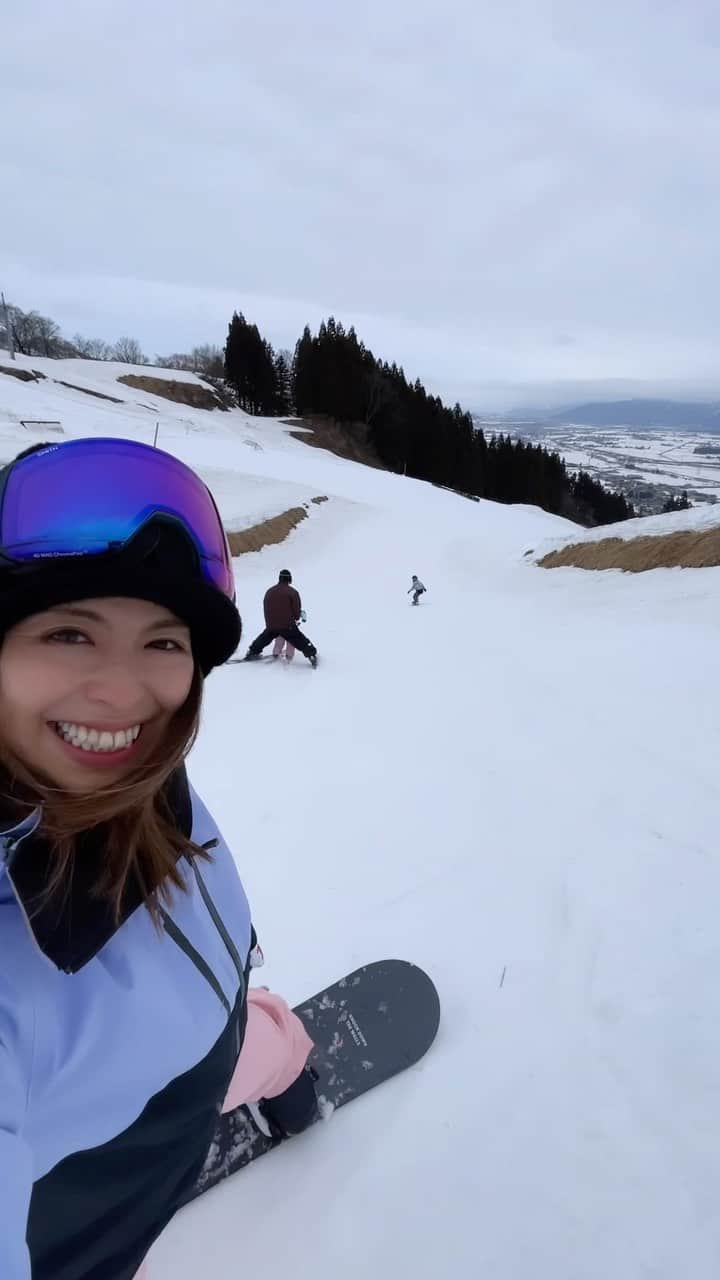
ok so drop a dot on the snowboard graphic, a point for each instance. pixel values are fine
(366, 1028)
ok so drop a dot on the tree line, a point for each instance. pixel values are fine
(260, 376)
(677, 502)
(334, 375)
(33, 334)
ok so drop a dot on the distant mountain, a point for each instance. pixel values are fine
(673, 414)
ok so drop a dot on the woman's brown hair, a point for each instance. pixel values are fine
(140, 838)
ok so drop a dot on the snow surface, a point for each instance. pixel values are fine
(517, 778)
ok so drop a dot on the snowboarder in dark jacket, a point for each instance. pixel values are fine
(417, 589)
(283, 609)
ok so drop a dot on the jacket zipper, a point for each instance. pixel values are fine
(178, 937)
(216, 919)
(194, 956)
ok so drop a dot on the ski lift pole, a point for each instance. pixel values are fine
(8, 330)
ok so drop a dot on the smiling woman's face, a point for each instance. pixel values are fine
(88, 689)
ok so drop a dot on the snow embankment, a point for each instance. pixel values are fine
(678, 540)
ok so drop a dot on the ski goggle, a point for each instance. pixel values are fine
(90, 497)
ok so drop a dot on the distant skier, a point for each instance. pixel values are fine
(283, 610)
(417, 589)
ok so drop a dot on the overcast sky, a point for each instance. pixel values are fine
(501, 194)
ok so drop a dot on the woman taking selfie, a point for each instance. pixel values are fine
(125, 934)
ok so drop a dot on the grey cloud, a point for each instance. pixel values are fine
(470, 183)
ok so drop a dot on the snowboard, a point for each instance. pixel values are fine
(366, 1028)
(299, 661)
(264, 657)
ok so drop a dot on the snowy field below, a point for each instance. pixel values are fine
(515, 786)
(625, 457)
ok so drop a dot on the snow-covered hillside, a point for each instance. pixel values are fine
(518, 778)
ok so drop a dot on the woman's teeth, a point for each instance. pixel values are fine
(96, 740)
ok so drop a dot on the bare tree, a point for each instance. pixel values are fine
(48, 336)
(65, 349)
(128, 351)
(206, 360)
(92, 348)
(34, 334)
(25, 331)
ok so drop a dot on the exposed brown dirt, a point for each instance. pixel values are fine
(99, 395)
(25, 375)
(346, 440)
(190, 393)
(267, 533)
(687, 550)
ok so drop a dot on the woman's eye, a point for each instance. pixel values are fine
(166, 645)
(66, 635)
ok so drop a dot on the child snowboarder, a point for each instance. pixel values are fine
(417, 589)
(283, 610)
(281, 643)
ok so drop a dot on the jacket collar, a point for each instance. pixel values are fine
(70, 928)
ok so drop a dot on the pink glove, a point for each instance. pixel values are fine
(274, 1052)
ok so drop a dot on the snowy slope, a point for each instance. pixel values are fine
(192, 432)
(518, 777)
